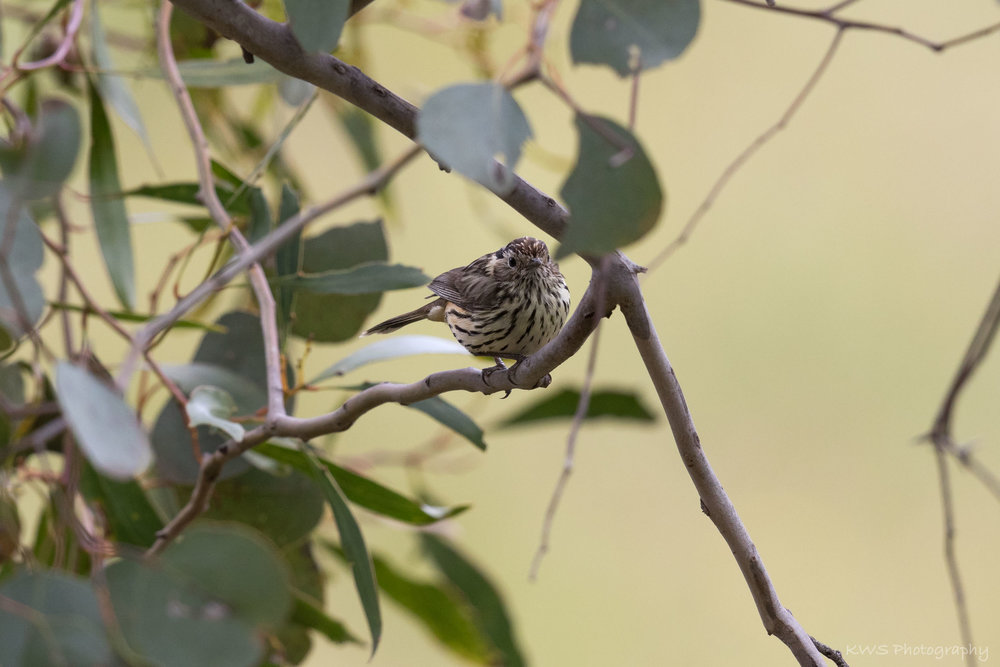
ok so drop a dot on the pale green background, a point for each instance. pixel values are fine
(814, 321)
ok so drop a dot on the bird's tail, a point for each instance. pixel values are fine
(399, 321)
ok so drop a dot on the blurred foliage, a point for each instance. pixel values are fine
(241, 586)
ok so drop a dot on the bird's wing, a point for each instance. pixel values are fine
(469, 287)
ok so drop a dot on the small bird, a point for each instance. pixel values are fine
(506, 304)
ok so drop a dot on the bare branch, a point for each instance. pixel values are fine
(950, 558)
(715, 502)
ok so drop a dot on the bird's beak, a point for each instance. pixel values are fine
(536, 261)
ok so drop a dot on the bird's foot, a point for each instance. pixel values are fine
(500, 366)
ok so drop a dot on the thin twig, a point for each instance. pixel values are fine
(748, 152)
(57, 56)
(582, 406)
(950, 557)
(828, 16)
(208, 196)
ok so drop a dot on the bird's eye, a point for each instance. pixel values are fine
(511, 262)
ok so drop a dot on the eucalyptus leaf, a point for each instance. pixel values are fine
(108, 208)
(317, 24)
(309, 614)
(480, 593)
(562, 405)
(113, 87)
(336, 317)
(210, 406)
(631, 35)
(60, 621)
(363, 491)
(106, 429)
(613, 193)
(43, 161)
(129, 514)
(469, 126)
(24, 259)
(392, 348)
(446, 413)
(363, 279)
(353, 544)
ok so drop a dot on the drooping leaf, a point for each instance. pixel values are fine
(307, 613)
(469, 126)
(61, 621)
(211, 406)
(363, 491)
(287, 259)
(336, 317)
(108, 208)
(284, 507)
(233, 564)
(232, 359)
(353, 544)
(446, 413)
(205, 601)
(391, 348)
(105, 427)
(436, 608)
(126, 316)
(113, 87)
(364, 279)
(603, 403)
(613, 32)
(187, 193)
(38, 167)
(613, 193)
(484, 598)
(127, 510)
(317, 23)
(210, 73)
(24, 259)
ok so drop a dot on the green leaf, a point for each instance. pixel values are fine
(436, 609)
(210, 406)
(105, 427)
(607, 32)
(288, 258)
(612, 193)
(208, 73)
(603, 403)
(392, 348)
(112, 87)
(317, 23)
(446, 413)
(125, 506)
(482, 596)
(126, 316)
(364, 279)
(234, 565)
(307, 613)
(187, 193)
(469, 126)
(168, 621)
(232, 359)
(335, 317)
(353, 543)
(38, 168)
(284, 507)
(60, 621)
(24, 259)
(110, 217)
(205, 601)
(363, 491)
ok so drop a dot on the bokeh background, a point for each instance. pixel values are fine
(814, 320)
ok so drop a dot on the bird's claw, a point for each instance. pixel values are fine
(500, 366)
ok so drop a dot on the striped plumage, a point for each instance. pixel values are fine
(506, 304)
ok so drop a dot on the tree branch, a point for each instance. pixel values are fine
(715, 502)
